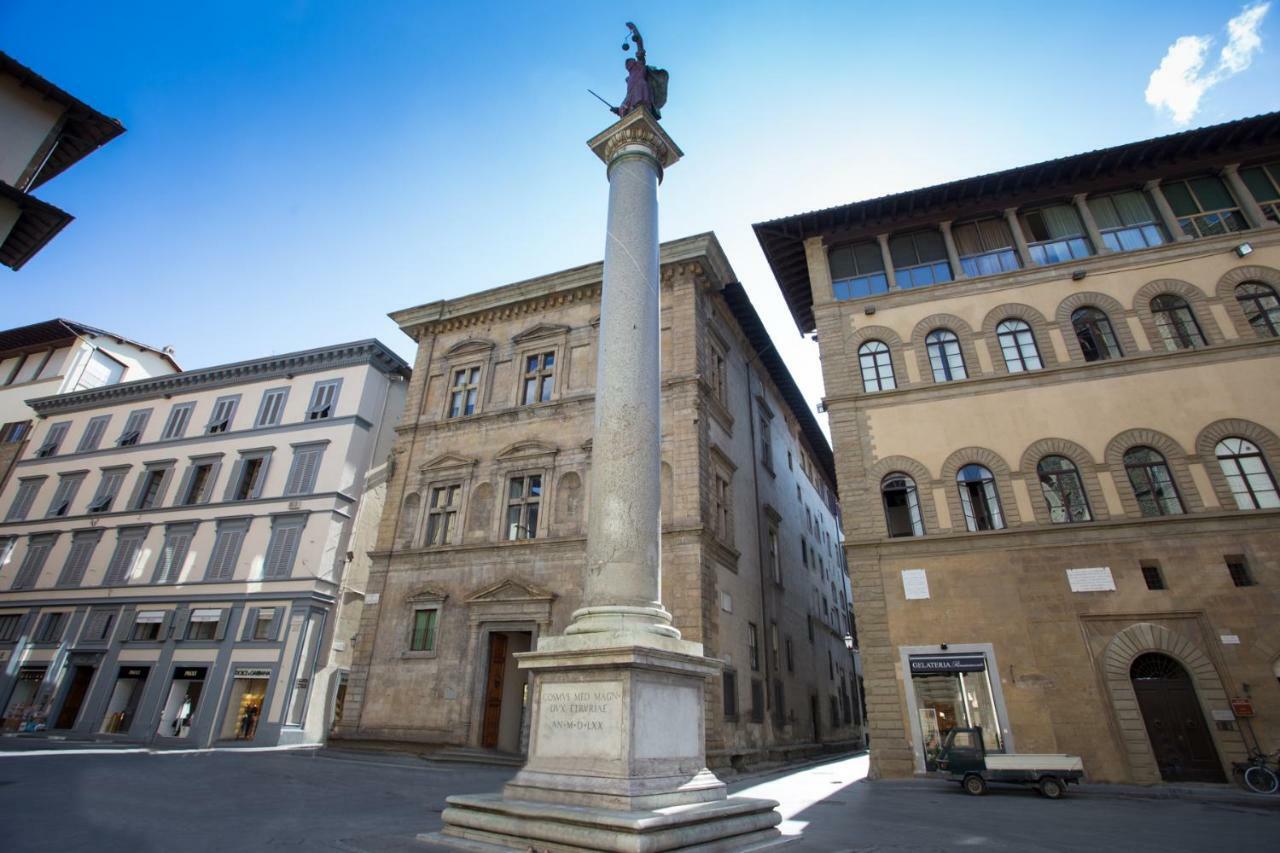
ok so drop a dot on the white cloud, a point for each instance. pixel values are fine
(1181, 80)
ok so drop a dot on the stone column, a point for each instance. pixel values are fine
(1090, 224)
(1248, 204)
(886, 258)
(1019, 240)
(622, 586)
(953, 256)
(1167, 218)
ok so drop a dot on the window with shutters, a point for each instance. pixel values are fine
(173, 553)
(38, 548)
(93, 432)
(108, 488)
(134, 426)
(28, 487)
(124, 559)
(464, 391)
(7, 544)
(250, 476)
(224, 412)
(422, 638)
(51, 627)
(179, 419)
(198, 484)
(226, 550)
(150, 490)
(539, 378)
(324, 400)
(282, 550)
(53, 440)
(203, 623)
(305, 468)
(147, 625)
(9, 627)
(83, 543)
(442, 513)
(98, 626)
(271, 409)
(524, 501)
(65, 494)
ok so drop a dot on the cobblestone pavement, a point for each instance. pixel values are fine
(342, 801)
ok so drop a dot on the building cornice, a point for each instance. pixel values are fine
(368, 352)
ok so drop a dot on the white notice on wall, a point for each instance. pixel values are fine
(372, 598)
(915, 583)
(1230, 639)
(1223, 715)
(1091, 580)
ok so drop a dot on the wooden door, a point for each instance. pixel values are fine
(1179, 736)
(493, 691)
(75, 697)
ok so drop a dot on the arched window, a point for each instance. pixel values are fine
(1261, 307)
(1093, 330)
(877, 368)
(1247, 474)
(1176, 324)
(1152, 483)
(901, 505)
(1063, 491)
(1018, 345)
(979, 499)
(944, 355)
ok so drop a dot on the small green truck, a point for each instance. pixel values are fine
(964, 758)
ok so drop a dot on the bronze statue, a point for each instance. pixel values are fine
(646, 86)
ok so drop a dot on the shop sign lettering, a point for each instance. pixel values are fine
(243, 672)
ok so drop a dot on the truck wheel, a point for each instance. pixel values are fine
(1051, 787)
(975, 784)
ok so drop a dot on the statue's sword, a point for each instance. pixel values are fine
(603, 101)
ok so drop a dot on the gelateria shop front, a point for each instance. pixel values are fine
(949, 688)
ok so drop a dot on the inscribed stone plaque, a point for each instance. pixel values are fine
(915, 583)
(1091, 580)
(580, 720)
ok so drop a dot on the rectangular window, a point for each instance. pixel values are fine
(1152, 576)
(120, 569)
(150, 490)
(1056, 234)
(133, 428)
(250, 476)
(9, 627)
(1264, 183)
(179, 419)
(1239, 570)
(779, 703)
(305, 468)
(464, 391)
(774, 650)
(775, 559)
(53, 440)
(423, 638)
(93, 432)
(324, 400)
(14, 431)
(766, 443)
(919, 259)
(173, 554)
(791, 661)
(264, 622)
(271, 410)
(857, 270)
(83, 543)
(146, 625)
(1127, 221)
(809, 624)
(757, 700)
(282, 550)
(716, 369)
(97, 627)
(539, 378)
(51, 627)
(442, 513)
(203, 623)
(1204, 206)
(753, 646)
(26, 496)
(720, 506)
(198, 485)
(729, 690)
(985, 247)
(224, 412)
(65, 494)
(226, 550)
(108, 488)
(38, 548)
(524, 498)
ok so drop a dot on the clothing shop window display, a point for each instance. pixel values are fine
(180, 706)
(22, 713)
(125, 697)
(244, 705)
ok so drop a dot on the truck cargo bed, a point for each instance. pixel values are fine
(1057, 763)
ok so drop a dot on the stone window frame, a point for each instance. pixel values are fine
(424, 600)
(1116, 313)
(1206, 453)
(520, 460)
(1086, 466)
(542, 338)
(897, 357)
(1197, 301)
(963, 332)
(424, 523)
(1174, 456)
(1039, 330)
(1000, 472)
(1226, 293)
(722, 468)
(464, 355)
(445, 468)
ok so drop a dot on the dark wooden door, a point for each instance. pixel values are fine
(75, 697)
(1179, 736)
(493, 690)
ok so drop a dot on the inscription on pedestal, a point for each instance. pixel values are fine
(582, 719)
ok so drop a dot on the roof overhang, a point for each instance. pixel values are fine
(38, 222)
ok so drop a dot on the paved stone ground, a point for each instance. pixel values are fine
(342, 801)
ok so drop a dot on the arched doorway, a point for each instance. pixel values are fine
(1175, 724)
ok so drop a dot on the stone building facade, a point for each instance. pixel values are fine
(1056, 420)
(481, 549)
(183, 557)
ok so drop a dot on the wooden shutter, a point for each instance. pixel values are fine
(32, 563)
(210, 483)
(302, 475)
(95, 625)
(230, 492)
(121, 558)
(261, 479)
(220, 632)
(166, 627)
(250, 621)
(282, 550)
(181, 623)
(82, 547)
(25, 498)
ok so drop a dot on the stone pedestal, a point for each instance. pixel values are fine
(617, 748)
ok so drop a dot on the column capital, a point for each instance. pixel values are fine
(636, 133)
(1230, 169)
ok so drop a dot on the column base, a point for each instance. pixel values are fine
(489, 822)
(617, 618)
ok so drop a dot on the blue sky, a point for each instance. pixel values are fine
(293, 171)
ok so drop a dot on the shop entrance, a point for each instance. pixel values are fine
(244, 705)
(180, 706)
(81, 678)
(953, 690)
(505, 691)
(20, 714)
(125, 697)
(1179, 736)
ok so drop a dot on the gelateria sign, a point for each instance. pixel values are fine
(929, 664)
